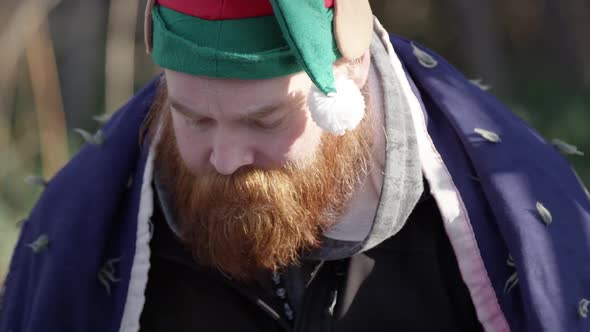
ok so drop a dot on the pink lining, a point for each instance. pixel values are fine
(452, 208)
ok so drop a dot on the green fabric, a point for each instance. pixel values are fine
(307, 26)
(251, 48)
(298, 37)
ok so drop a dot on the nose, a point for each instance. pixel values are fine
(230, 153)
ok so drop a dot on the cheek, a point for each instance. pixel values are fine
(192, 154)
(297, 143)
(307, 145)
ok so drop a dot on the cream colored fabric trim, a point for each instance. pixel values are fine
(452, 208)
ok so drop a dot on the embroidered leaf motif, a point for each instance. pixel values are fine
(510, 261)
(480, 84)
(93, 139)
(105, 283)
(488, 135)
(40, 244)
(583, 308)
(511, 282)
(425, 59)
(566, 148)
(545, 214)
(106, 275)
(103, 118)
(36, 180)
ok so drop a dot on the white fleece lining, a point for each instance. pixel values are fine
(141, 261)
(452, 208)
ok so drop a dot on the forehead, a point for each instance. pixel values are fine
(228, 94)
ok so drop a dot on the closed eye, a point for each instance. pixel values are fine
(267, 125)
(200, 122)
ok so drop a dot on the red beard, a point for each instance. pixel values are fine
(262, 219)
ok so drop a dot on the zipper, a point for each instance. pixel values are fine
(260, 303)
(320, 301)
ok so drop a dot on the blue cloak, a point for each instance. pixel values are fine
(82, 258)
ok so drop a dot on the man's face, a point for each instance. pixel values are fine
(254, 181)
(225, 125)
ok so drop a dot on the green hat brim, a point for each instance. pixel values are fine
(299, 37)
(251, 48)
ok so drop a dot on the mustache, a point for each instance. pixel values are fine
(252, 183)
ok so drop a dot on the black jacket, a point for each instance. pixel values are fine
(410, 282)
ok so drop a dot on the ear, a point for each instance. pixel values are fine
(359, 70)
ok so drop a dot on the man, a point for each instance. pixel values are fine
(300, 171)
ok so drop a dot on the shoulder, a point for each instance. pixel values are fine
(537, 202)
(84, 219)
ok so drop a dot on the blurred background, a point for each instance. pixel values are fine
(65, 63)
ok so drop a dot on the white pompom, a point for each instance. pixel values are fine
(339, 111)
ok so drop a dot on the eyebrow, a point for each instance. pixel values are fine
(255, 115)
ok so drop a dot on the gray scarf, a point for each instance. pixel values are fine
(402, 182)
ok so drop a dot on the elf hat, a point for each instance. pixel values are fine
(260, 39)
